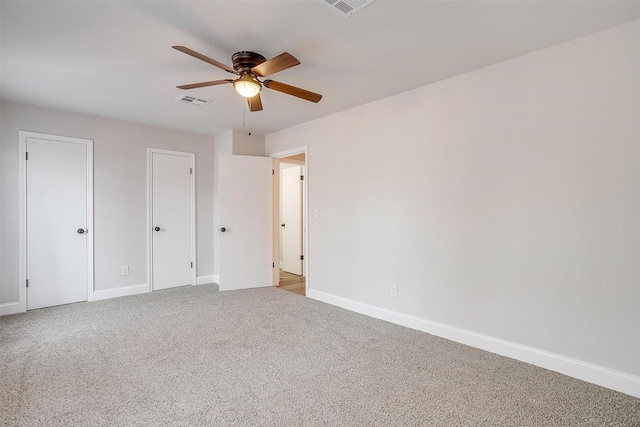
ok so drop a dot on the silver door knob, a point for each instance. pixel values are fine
(80, 231)
(157, 228)
(222, 229)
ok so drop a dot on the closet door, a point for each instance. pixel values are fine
(172, 219)
(57, 210)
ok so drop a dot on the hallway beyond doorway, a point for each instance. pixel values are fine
(292, 282)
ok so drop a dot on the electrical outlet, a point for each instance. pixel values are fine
(125, 270)
(394, 290)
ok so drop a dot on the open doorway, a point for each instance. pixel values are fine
(291, 223)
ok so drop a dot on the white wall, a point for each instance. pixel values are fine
(120, 185)
(504, 202)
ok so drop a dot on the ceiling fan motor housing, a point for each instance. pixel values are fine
(244, 61)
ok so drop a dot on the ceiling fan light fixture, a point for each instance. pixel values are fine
(247, 86)
(251, 66)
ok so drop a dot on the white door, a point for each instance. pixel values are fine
(291, 221)
(56, 222)
(172, 204)
(244, 195)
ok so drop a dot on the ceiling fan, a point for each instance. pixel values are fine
(249, 66)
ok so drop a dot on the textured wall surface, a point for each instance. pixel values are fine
(503, 201)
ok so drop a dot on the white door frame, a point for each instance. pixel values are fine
(22, 198)
(192, 157)
(305, 208)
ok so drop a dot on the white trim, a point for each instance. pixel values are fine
(192, 157)
(10, 308)
(605, 377)
(303, 149)
(22, 200)
(149, 223)
(205, 280)
(216, 279)
(275, 219)
(291, 152)
(22, 222)
(120, 292)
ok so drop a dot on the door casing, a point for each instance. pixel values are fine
(22, 198)
(305, 213)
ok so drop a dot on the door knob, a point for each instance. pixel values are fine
(80, 230)
(222, 229)
(157, 228)
(281, 225)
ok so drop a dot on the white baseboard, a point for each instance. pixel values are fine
(605, 377)
(11, 308)
(216, 279)
(120, 292)
(205, 280)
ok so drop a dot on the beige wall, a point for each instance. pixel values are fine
(120, 185)
(297, 157)
(503, 202)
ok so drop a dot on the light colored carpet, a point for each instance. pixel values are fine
(194, 356)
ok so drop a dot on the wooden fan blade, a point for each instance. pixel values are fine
(292, 90)
(205, 84)
(273, 65)
(255, 103)
(204, 58)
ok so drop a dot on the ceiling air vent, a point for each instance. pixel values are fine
(347, 7)
(198, 102)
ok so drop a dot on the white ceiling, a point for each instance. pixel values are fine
(114, 59)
